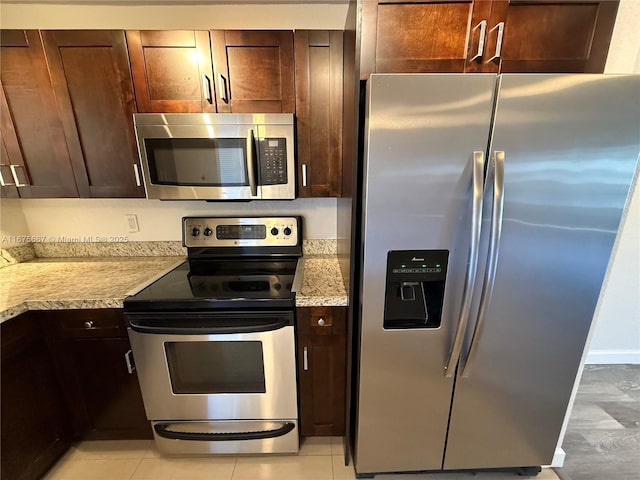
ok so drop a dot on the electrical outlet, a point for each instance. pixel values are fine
(132, 222)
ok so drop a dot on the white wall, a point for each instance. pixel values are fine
(615, 335)
(160, 220)
(12, 223)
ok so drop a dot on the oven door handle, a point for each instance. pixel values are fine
(162, 429)
(209, 329)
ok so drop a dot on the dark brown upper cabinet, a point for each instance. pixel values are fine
(35, 158)
(171, 70)
(319, 100)
(496, 36)
(8, 187)
(548, 37)
(92, 83)
(416, 36)
(254, 71)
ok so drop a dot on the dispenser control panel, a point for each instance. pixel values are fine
(415, 288)
(427, 265)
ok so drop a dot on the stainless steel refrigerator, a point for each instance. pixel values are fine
(490, 209)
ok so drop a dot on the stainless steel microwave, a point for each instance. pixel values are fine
(217, 156)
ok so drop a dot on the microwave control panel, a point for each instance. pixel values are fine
(273, 161)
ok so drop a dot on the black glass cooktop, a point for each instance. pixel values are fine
(209, 284)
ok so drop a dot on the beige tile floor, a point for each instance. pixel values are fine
(320, 458)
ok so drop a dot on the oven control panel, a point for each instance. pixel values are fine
(240, 231)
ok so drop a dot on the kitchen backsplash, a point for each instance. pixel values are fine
(109, 249)
(28, 251)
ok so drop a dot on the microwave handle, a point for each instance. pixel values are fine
(251, 163)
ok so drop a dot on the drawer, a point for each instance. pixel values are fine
(321, 320)
(105, 323)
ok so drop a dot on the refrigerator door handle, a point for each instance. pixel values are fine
(477, 164)
(495, 180)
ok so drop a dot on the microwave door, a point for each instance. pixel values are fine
(205, 162)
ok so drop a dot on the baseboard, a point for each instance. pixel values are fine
(558, 458)
(613, 357)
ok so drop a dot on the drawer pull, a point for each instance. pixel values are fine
(2, 182)
(500, 28)
(128, 358)
(483, 30)
(88, 324)
(14, 172)
(206, 89)
(321, 322)
(137, 174)
(222, 88)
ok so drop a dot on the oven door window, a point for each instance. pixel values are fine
(213, 162)
(216, 367)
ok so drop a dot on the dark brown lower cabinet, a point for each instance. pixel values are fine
(321, 335)
(94, 363)
(35, 422)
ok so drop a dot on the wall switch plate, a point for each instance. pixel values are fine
(132, 222)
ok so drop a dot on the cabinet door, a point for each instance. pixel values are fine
(104, 396)
(171, 70)
(92, 81)
(254, 71)
(322, 370)
(547, 37)
(109, 393)
(8, 187)
(35, 425)
(319, 89)
(40, 157)
(421, 36)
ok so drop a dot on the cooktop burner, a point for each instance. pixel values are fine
(213, 283)
(228, 273)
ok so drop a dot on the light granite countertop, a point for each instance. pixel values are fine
(75, 283)
(103, 282)
(322, 284)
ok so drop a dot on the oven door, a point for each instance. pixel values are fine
(208, 162)
(238, 366)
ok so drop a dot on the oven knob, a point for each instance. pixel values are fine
(274, 231)
(287, 231)
(207, 232)
(195, 231)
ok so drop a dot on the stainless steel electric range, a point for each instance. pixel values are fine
(213, 339)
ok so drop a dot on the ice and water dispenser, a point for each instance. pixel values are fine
(415, 288)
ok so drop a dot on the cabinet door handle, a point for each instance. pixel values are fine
(483, 30)
(128, 358)
(136, 171)
(2, 182)
(222, 88)
(305, 359)
(15, 175)
(498, 52)
(206, 88)
(304, 175)
(321, 322)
